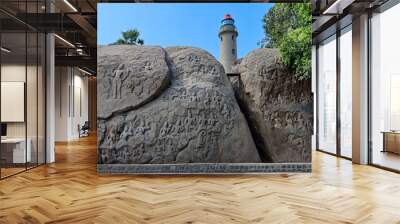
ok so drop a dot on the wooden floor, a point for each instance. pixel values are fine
(5, 172)
(70, 191)
(387, 159)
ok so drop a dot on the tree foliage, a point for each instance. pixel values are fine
(130, 37)
(288, 28)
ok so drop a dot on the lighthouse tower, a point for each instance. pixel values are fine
(228, 35)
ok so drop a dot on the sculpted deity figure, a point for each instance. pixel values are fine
(213, 71)
(194, 59)
(225, 110)
(148, 66)
(262, 70)
(127, 132)
(165, 129)
(117, 82)
(202, 139)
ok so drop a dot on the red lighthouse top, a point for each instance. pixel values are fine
(227, 16)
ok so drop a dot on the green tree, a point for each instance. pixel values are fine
(130, 37)
(287, 27)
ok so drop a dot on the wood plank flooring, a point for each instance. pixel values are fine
(70, 191)
(387, 159)
(10, 171)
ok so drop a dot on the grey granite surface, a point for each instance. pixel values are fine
(279, 108)
(196, 119)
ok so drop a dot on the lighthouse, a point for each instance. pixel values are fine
(227, 35)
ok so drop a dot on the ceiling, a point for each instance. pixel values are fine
(73, 21)
(329, 16)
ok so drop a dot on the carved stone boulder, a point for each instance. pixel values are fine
(278, 107)
(128, 77)
(195, 120)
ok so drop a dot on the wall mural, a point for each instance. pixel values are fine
(175, 110)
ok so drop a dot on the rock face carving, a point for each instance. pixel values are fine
(278, 107)
(128, 77)
(195, 120)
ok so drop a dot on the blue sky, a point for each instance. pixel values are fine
(182, 24)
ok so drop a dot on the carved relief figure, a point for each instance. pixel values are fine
(262, 71)
(194, 59)
(202, 139)
(148, 66)
(213, 71)
(117, 82)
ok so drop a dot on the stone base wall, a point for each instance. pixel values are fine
(205, 168)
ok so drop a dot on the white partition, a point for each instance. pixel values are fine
(12, 101)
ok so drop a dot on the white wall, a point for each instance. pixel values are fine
(11, 73)
(61, 103)
(70, 83)
(33, 125)
(14, 72)
(13, 101)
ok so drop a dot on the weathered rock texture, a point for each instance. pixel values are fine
(128, 77)
(194, 120)
(277, 106)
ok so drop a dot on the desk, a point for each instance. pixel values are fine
(391, 141)
(13, 150)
